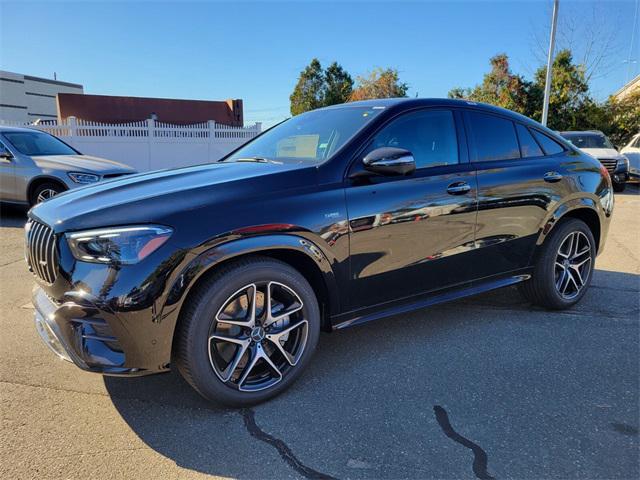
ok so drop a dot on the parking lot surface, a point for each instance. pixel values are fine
(489, 387)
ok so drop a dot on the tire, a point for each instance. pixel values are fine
(206, 359)
(546, 285)
(619, 187)
(44, 192)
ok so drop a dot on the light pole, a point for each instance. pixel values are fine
(547, 81)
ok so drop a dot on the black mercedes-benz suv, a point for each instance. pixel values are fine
(229, 271)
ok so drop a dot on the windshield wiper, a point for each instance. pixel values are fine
(254, 159)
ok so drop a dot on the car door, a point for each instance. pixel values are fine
(520, 175)
(411, 234)
(7, 174)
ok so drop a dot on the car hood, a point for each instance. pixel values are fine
(602, 152)
(157, 197)
(81, 163)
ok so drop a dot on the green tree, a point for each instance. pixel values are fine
(501, 87)
(623, 118)
(380, 83)
(308, 93)
(338, 85)
(570, 104)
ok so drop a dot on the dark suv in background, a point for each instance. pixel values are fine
(229, 271)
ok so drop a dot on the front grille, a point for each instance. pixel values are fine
(609, 163)
(41, 253)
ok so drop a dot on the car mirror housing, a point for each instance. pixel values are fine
(389, 161)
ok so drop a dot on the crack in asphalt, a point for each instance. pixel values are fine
(248, 415)
(479, 455)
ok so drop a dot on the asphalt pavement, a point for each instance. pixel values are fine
(488, 387)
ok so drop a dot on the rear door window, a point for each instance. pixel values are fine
(492, 137)
(549, 145)
(528, 146)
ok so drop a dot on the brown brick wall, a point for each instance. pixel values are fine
(113, 109)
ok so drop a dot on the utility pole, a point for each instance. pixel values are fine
(547, 81)
(630, 61)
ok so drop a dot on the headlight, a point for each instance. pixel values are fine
(122, 245)
(83, 177)
(625, 162)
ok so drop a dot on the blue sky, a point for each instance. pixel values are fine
(255, 50)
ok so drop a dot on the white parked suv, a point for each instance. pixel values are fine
(35, 166)
(596, 144)
(632, 152)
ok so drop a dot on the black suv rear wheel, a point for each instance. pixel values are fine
(564, 267)
(248, 332)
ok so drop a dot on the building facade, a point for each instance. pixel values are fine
(116, 109)
(628, 89)
(24, 98)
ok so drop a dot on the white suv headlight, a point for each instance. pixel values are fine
(83, 178)
(121, 245)
(625, 161)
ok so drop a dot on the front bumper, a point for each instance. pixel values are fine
(73, 334)
(620, 177)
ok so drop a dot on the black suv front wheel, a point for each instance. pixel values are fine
(248, 332)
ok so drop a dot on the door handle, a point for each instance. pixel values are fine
(458, 188)
(552, 177)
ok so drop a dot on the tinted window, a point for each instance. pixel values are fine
(429, 135)
(588, 140)
(528, 146)
(637, 143)
(36, 143)
(550, 146)
(494, 137)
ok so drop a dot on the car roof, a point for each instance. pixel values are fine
(588, 132)
(402, 103)
(4, 128)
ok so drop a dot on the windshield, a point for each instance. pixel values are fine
(588, 140)
(310, 137)
(37, 143)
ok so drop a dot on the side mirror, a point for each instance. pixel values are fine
(390, 161)
(5, 154)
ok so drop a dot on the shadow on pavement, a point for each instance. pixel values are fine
(630, 190)
(12, 215)
(518, 383)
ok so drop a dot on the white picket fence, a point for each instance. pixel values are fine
(150, 144)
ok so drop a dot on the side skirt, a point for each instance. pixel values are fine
(415, 303)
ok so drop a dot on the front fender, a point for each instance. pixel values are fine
(204, 261)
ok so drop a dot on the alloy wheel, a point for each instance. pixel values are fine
(46, 194)
(258, 335)
(573, 265)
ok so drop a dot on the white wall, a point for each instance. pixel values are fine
(159, 154)
(151, 145)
